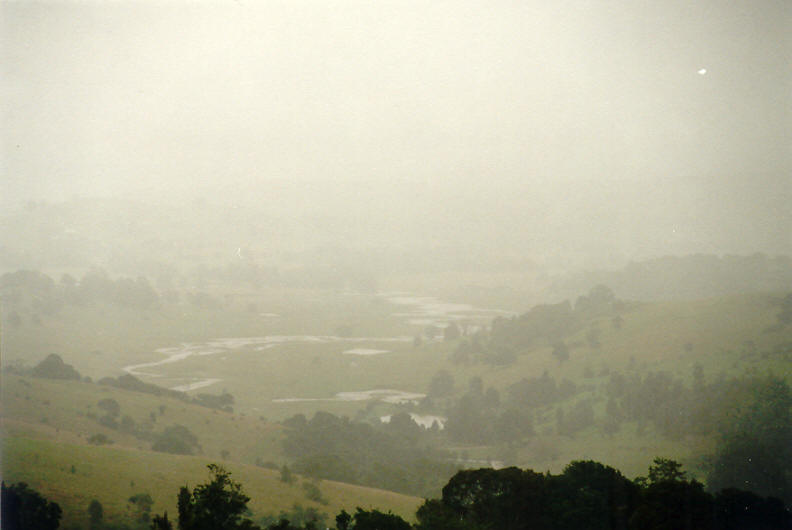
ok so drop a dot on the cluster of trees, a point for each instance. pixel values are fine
(478, 417)
(40, 294)
(483, 417)
(594, 496)
(175, 439)
(394, 456)
(750, 415)
(753, 416)
(586, 494)
(29, 295)
(543, 325)
(53, 367)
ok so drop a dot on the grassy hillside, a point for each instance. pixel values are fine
(69, 410)
(727, 336)
(73, 475)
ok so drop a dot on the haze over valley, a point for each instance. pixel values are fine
(362, 260)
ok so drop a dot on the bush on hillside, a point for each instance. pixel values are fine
(53, 367)
(177, 440)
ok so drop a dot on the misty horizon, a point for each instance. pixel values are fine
(603, 132)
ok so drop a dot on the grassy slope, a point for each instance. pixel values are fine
(46, 425)
(112, 474)
(65, 407)
(654, 334)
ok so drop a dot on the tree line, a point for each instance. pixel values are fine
(586, 494)
(541, 326)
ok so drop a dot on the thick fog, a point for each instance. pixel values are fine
(585, 132)
(463, 264)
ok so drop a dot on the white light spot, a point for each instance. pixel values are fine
(702, 71)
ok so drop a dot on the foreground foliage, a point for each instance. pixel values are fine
(586, 495)
(23, 508)
(594, 496)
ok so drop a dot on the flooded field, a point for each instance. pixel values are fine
(268, 367)
(384, 395)
(225, 345)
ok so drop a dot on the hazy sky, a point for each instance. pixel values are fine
(587, 118)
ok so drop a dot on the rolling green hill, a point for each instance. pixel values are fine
(74, 474)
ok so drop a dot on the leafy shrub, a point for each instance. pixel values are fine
(53, 367)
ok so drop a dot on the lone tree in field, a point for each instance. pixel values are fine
(217, 504)
(53, 367)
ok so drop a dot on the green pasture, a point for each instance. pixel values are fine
(68, 410)
(72, 475)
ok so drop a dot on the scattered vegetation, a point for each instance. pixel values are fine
(392, 456)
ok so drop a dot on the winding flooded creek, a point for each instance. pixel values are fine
(414, 310)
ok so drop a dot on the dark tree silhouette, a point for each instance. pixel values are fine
(376, 520)
(343, 520)
(53, 367)
(24, 508)
(161, 522)
(593, 496)
(220, 503)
